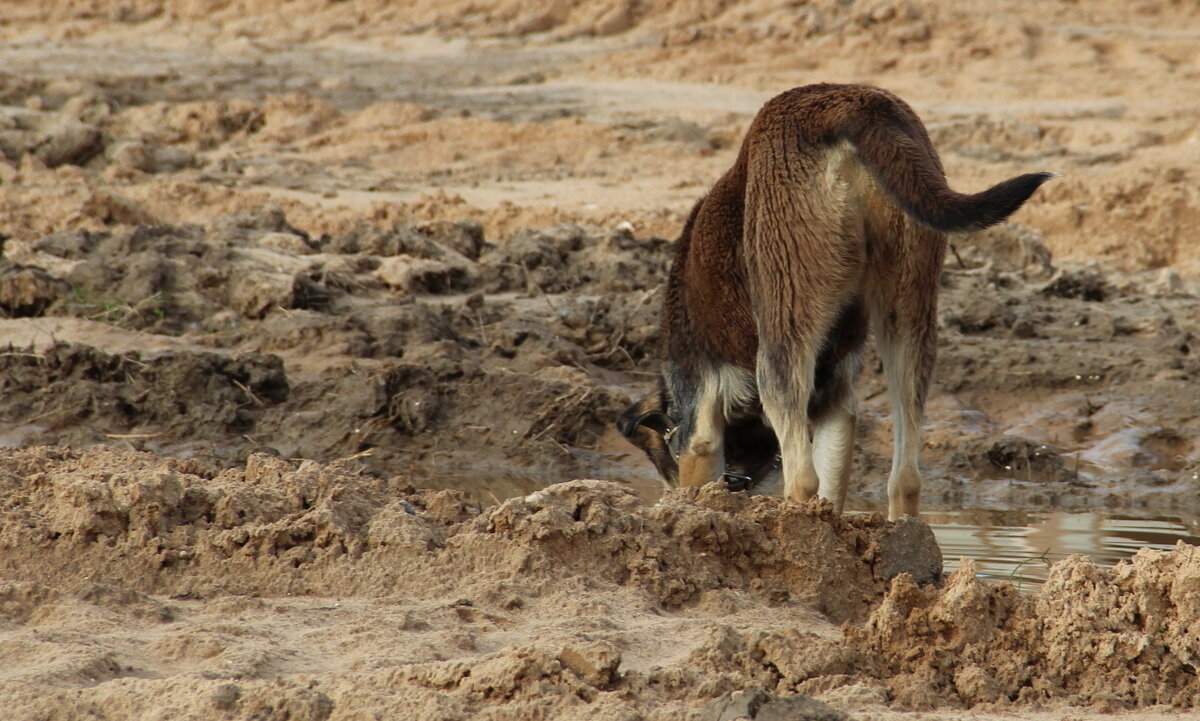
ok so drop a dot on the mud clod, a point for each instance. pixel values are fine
(1072, 640)
(27, 292)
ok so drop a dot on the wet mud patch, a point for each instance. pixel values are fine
(495, 365)
(1054, 383)
(424, 349)
(81, 395)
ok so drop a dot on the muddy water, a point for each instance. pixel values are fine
(1019, 546)
(1006, 544)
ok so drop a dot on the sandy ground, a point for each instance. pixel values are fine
(285, 267)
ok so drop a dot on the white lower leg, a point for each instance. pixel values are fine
(833, 453)
(904, 483)
(703, 459)
(800, 480)
(785, 393)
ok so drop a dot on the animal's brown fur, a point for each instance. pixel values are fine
(832, 217)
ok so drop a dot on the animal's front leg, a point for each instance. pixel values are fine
(702, 458)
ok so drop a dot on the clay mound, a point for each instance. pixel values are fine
(701, 539)
(577, 601)
(171, 527)
(1128, 636)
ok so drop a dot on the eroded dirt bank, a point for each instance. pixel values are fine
(310, 591)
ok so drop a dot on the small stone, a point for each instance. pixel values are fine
(1024, 328)
(798, 708)
(289, 242)
(68, 142)
(1167, 283)
(131, 154)
(226, 696)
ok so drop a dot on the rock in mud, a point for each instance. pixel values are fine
(594, 662)
(68, 142)
(254, 293)
(148, 157)
(1015, 457)
(424, 276)
(111, 208)
(909, 546)
(1005, 248)
(1085, 284)
(132, 155)
(735, 705)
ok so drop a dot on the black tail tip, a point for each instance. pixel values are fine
(1021, 187)
(1030, 182)
(1002, 200)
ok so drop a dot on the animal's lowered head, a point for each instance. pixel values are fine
(751, 448)
(646, 425)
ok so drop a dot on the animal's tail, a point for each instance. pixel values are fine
(893, 145)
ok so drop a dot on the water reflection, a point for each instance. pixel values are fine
(1019, 546)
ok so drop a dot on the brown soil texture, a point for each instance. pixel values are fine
(269, 592)
(496, 366)
(306, 308)
(1117, 637)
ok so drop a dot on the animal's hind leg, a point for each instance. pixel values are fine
(702, 458)
(907, 371)
(833, 434)
(904, 317)
(785, 384)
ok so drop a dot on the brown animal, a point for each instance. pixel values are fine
(832, 219)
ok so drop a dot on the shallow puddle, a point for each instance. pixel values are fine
(1007, 545)
(1019, 546)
